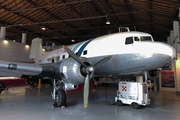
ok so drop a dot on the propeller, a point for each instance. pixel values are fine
(88, 70)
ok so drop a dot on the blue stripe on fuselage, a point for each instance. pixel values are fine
(83, 47)
(75, 48)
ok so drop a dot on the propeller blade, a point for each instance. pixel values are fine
(103, 61)
(86, 91)
(73, 55)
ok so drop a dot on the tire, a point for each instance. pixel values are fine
(35, 84)
(119, 102)
(2, 87)
(61, 98)
(135, 105)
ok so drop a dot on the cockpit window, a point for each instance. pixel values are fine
(146, 38)
(136, 38)
(129, 40)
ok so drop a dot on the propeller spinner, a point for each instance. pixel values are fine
(88, 70)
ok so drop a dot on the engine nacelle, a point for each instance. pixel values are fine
(69, 86)
(71, 71)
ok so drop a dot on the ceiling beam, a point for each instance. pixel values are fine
(70, 7)
(26, 18)
(53, 15)
(47, 6)
(75, 19)
(129, 10)
(150, 14)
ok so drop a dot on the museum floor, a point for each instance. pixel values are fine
(27, 103)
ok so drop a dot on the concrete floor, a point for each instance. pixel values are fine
(26, 103)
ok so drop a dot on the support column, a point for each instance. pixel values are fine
(24, 38)
(3, 33)
(172, 38)
(53, 46)
(177, 63)
(169, 40)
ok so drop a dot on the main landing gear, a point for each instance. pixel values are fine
(58, 94)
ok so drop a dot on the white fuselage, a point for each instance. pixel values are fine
(132, 53)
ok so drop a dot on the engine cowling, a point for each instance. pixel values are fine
(69, 86)
(71, 71)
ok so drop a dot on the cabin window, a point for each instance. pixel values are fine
(146, 38)
(129, 40)
(52, 60)
(136, 38)
(85, 52)
(63, 56)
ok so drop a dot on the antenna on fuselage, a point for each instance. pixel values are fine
(124, 29)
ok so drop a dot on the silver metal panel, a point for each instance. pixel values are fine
(129, 64)
(21, 68)
(71, 69)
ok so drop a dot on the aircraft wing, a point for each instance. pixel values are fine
(24, 68)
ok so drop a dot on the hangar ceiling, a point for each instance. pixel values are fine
(85, 19)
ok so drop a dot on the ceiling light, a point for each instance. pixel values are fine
(43, 28)
(43, 50)
(73, 40)
(5, 41)
(108, 21)
(27, 46)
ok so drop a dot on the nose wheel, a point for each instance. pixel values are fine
(58, 94)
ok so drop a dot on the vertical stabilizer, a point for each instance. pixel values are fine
(36, 49)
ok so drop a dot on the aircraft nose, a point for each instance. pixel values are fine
(166, 52)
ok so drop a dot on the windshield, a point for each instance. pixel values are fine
(146, 38)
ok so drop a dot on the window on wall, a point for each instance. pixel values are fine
(129, 40)
(85, 52)
(63, 56)
(136, 38)
(146, 38)
(52, 60)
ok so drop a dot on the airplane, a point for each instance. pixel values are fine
(112, 55)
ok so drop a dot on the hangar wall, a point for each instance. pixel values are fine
(174, 40)
(14, 51)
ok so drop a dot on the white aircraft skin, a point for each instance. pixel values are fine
(126, 59)
(131, 53)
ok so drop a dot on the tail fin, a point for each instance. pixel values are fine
(36, 49)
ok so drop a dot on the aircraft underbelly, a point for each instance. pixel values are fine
(123, 64)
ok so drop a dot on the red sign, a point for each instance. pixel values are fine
(167, 79)
(124, 88)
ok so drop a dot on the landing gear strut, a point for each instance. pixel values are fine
(58, 94)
